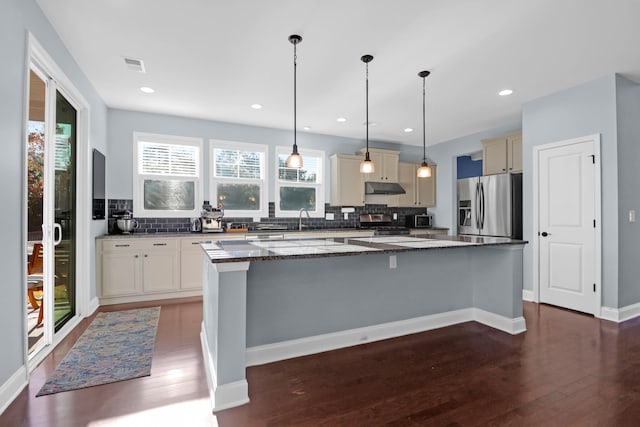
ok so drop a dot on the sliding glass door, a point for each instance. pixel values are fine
(51, 210)
(64, 210)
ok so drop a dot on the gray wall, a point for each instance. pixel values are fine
(628, 114)
(123, 123)
(16, 18)
(292, 299)
(578, 111)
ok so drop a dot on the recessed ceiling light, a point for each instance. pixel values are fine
(307, 128)
(146, 89)
(256, 106)
(505, 92)
(407, 130)
(341, 119)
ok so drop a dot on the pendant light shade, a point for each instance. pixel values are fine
(367, 165)
(295, 159)
(424, 171)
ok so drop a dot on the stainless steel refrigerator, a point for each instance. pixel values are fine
(490, 205)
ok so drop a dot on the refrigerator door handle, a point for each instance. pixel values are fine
(482, 199)
(476, 211)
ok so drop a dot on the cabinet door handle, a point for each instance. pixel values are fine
(145, 255)
(159, 244)
(135, 256)
(122, 246)
(503, 169)
(204, 241)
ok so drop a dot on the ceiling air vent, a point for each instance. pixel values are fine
(135, 64)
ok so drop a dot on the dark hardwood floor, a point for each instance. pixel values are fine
(568, 369)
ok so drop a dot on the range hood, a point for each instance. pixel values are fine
(372, 187)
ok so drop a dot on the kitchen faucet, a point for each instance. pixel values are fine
(300, 218)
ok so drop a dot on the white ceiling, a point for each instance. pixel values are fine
(212, 59)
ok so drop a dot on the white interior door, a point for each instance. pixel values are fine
(567, 226)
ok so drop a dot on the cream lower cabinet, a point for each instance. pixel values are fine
(151, 268)
(420, 192)
(137, 269)
(191, 263)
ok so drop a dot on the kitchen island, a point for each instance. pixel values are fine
(269, 300)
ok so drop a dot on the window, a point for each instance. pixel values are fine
(238, 178)
(166, 176)
(300, 188)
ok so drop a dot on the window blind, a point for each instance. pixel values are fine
(168, 159)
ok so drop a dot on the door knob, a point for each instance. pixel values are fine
(545, 234)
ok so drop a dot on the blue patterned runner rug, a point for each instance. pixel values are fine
(116, 346)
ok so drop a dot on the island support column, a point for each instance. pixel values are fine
(223, 334)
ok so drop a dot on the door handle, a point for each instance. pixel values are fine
(477, 209)
(545, 234)
(58, 227)
(482, 202)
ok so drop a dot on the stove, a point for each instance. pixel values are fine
(382, 224)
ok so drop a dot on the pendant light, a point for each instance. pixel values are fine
(367, 165)
(424, 171)
(295, 159)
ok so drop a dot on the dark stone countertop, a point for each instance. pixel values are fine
(225, 251)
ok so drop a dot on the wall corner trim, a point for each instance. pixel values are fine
(12, 388)
(223, 396)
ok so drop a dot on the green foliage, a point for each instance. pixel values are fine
(35, 178)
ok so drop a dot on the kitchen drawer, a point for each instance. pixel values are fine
(192, 244)
(118, 245)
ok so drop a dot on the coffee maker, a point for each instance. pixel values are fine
(211, 218)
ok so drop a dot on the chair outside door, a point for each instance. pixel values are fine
(35, 280)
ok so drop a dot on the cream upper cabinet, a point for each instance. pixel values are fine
(502, 154)
(420, 192)
(426, 189)
(385, 163)
(347, 183)
(514, 153)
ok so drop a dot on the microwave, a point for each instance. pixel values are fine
(419, 221)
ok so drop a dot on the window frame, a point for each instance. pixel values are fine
(263, 212)
(139, 178)
(319, 184)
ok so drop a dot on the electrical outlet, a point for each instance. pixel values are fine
(393, 261)
(329, 216)
(395, 216)
(632, 215)
(346, 215)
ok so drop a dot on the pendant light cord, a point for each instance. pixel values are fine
(295, 109)
(367, 104)
(424, 121)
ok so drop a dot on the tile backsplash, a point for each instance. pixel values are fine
(183, 225)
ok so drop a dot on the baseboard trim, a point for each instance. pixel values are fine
(528, 295)
(150, 297)
(259, 355)
(505, 324)
(12, 388)
(224, 396)
(94, 304)
(620, 314)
